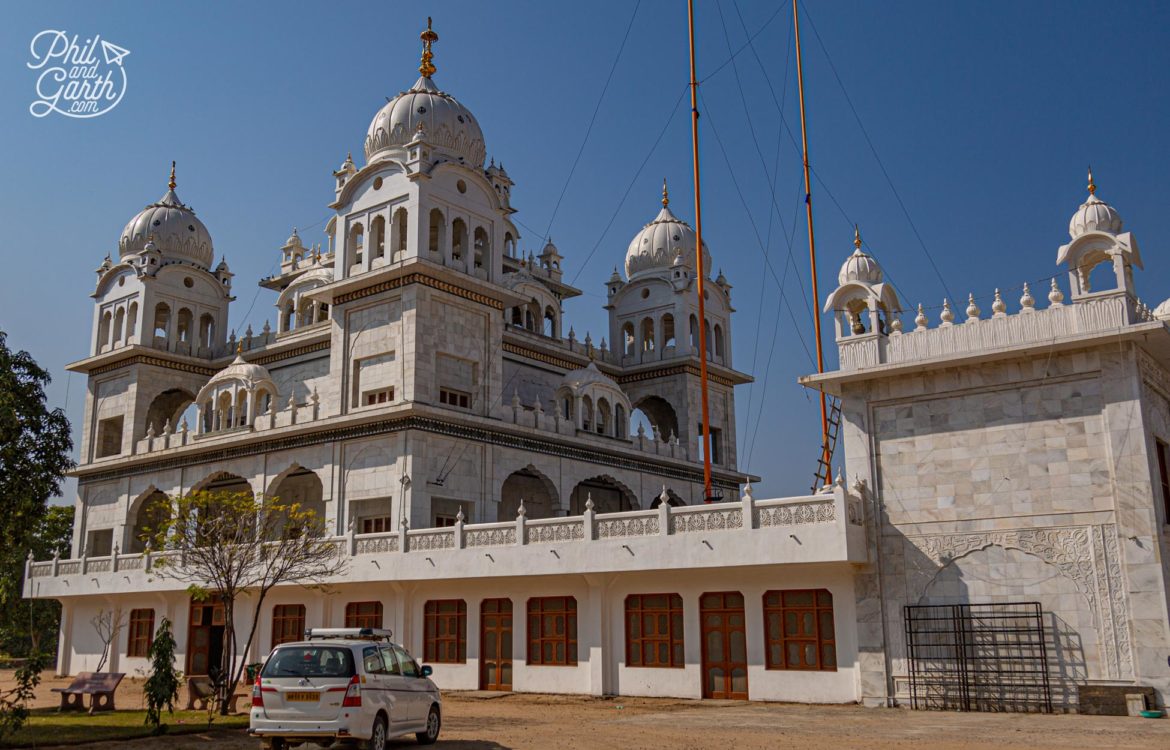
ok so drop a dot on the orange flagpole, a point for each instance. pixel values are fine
(812, 246)
(707, 494)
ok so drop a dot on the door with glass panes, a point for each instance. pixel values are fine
(495, 644)
(724, 637)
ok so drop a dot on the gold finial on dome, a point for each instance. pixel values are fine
(1092, 187)
(665, 194)
(240, 348)
(171, 184)
(856, 237)
(428, 37)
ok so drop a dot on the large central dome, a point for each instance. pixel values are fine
(446, 124)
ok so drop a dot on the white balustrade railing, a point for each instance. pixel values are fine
(747, 515)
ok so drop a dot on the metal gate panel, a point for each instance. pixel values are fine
(978, 657)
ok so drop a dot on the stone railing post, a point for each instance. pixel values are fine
(402, 529)
(749, 507)
(28, 565)
(589, 515)
(351, 532)
(56, 563)
(664, 514)
(84, 561)
(459, 543)
(114, 560)
(521, 514)
(147, 562)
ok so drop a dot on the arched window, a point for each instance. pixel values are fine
(567, 407)
(694, 333)
(509, 245)
(438, 230)
(186, 321)
(322, 312)
(481, 247)
(132, 323)
(719, 341)
(619, 421)
(119, 324)
(517, 317)
(378, 238)
(162, 320)
(398, 234)
(458, 240)
(529, 320)
(586, 413)
(287, 318)
(707, 333)
(668, 331)
(223, 415)
(206, 330)
(241, 415)
(550, 322)
(647, 334)
(103, 337)
(356, 243)
(603, 417)
(628, 339)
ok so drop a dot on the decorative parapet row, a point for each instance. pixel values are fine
(1100, 312)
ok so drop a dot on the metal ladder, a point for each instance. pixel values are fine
(824, 473)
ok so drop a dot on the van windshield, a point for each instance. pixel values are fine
(309, 661)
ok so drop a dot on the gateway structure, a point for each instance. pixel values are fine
(475, 465)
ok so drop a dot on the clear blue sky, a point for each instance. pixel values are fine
(984, 115)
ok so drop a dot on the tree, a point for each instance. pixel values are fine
(227, 544)
(14, 701)
(35, 446)
(34, 624)
(107, 625)
(161, 688)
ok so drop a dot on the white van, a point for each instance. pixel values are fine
(343, 685)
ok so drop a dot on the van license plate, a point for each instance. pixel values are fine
(301, 697)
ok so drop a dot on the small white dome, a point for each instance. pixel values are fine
(860, 267)
(241, 371)
(1094, 215)
(588, 375)
(294, 240)
(175, 230)
(661, 241)
(448, 125)
(1162, 311)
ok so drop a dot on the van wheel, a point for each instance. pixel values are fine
(378, 736)
(433, 724)
(272, 744)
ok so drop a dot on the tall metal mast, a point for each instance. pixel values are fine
(812, 246)
(708, 496)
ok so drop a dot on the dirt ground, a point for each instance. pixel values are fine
(495, 721)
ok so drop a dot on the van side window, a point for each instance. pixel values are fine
(391, 660)
(409, 667)
(371, 661)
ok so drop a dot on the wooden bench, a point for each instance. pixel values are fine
(100, 686)
(201, 691)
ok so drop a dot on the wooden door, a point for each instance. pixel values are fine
(204, 636)
(724, 645)
(495, 644)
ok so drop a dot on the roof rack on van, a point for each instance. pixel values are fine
(365, 634)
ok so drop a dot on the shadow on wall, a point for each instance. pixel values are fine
(998, 575)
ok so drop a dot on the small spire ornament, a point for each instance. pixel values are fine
(428, 37)
(920, 319)
(856, 238)
(947, 315)
(999, 308)
(171, 184)
(665, 194)
(1055, 296)
(973, 310)
(1092, 187)
(1027, 301)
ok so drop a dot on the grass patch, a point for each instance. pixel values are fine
(48, 727)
